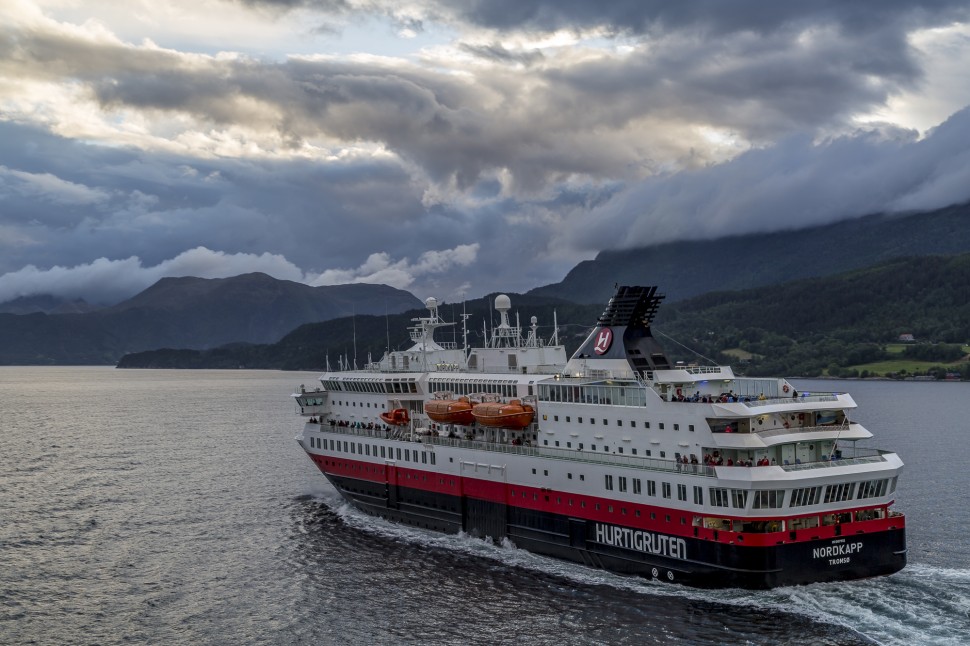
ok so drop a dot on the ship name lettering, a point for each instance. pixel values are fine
(844, 549)
(641, 541)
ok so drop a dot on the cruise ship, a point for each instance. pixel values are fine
(614, 458)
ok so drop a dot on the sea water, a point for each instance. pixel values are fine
(148, 507)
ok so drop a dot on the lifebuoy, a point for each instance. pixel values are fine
(785, 388)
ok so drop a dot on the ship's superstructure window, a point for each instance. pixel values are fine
(772, 499)
(872, 488)
(681, 492)
(739, 497)
(622, 483)
(719, 497)
(651, 488)
(806, 496)
(839, 492)
(698, 495)
(665, 487)
(636, 486)
(609, 482)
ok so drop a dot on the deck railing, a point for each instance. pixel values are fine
(649, 464)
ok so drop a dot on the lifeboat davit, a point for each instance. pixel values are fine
(450, 411)
(512, 414)
(396, 417)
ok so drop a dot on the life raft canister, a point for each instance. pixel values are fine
(785, 388)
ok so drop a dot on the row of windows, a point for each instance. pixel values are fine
(503, 387)
(597, 506)
(632, 423)
(386, 452)
(606, 448)
(371, 386)
(622, 483)
(354, 404)
(841, 492)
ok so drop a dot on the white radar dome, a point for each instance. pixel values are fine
(431, 302)
(502, 303)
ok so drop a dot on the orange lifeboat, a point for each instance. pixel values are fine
(450, 411)
(513, 414)
(396, 417)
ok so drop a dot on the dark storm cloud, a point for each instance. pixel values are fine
(714, 17)
(791, 185)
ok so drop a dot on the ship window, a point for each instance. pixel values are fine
(432, 458)
(545, 442)
(382, 452)
(637, 486)
(399, 454)
(665, 487)
(582, 477)
(605, 422)
(622, 483)
(569, 445)
(633, 423)
(667, 518)
(647, 452)
(839, 492)
(872, 488)
(719, 497)
(545, 472)
(636, 513)
(569, 476)
(739, 498)
(592, 447)
(772, 499)
(609, 508)
(579, 420)
(424, 457)
(646, 425)
(676, 427)
(653, 515)
(663, 454)
(681, 492)
(352, 450)
(360, 448)
(580, 446)
(651, 488)
(609, 482)
(407, 455)
(698, 495)
(592, 420)
(691, 428)
(661, 425)
(533, 472)
(805, 496)
(557, 442)
(619, 422)
(567, 418)
(597, 506)
(367, 448)
(555, 418)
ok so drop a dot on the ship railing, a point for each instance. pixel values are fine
(828, 428)
(650, 464)
(849, 457)
(772, 401)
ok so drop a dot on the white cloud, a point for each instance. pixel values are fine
(380, 268)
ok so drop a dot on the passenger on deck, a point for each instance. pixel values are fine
(762, 397)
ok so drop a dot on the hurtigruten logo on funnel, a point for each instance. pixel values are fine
(603, 341)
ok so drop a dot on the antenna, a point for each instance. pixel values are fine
(353, 320)
(555, 329)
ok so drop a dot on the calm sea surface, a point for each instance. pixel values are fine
(165, 507)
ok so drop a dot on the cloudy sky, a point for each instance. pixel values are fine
(448, 147)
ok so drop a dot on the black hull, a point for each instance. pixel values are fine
(691, 561)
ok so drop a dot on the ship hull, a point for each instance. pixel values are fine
(681, 559)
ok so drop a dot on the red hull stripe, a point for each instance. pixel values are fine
(604, 510)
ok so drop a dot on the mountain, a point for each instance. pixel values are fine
(687, 269)
(188, 312)
(312, 346)
(803, 327)
(47, 304)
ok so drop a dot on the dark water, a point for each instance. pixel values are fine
(144, 507)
